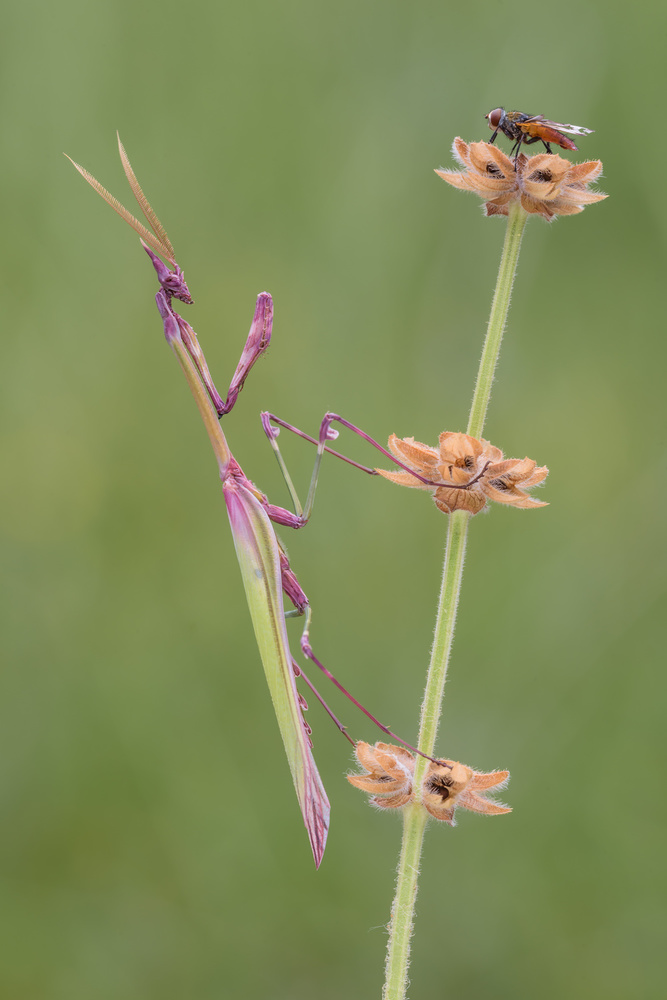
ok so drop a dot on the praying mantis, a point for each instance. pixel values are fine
(265, 569)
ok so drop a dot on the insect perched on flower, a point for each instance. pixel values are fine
(527, 129)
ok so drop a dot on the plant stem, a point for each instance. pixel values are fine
(414, 816)
(400, 931)
(452, 573)
(501, 301)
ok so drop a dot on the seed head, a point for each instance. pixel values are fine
(446, 786)
(390, 772)
(464, 473)
(545, 185)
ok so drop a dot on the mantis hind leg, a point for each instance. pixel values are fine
(290, 585)
(307, 651)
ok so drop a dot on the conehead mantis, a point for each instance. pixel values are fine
(265, 568)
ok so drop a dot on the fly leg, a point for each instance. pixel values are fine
(536, 138)
(516, 148)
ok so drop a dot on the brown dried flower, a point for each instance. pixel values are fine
(447, 784)
(390, 772)
(464, 473)
(545, 185)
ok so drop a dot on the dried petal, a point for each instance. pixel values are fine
(413, 453)
(448, 500)
(402, 479)
(390, 769)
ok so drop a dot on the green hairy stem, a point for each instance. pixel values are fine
(414, 816)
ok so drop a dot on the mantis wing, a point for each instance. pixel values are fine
(258, 555)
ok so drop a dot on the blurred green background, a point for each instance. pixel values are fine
(150, 839)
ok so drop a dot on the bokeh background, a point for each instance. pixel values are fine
(150, 841)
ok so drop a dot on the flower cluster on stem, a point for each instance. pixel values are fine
(463, 474)
(545, 184)
(447, 784)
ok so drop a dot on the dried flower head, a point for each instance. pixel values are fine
(446, 786)
(545, 185)
(390, 772)
(464, 473)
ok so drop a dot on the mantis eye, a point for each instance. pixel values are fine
(495, 117)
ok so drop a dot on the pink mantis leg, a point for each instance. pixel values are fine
(287, 518)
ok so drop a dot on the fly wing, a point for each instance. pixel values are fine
(539, 128)
(572, 129)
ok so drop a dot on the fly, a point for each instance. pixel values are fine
(526, 129)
